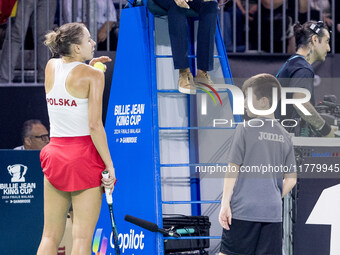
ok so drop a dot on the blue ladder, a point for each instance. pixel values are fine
(195, 182)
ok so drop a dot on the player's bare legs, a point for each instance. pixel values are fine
(86, 208)
(56, 206)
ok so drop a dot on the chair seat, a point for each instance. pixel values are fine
(158, 11)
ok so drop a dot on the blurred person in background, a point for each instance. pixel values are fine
(34, 135)
(45, 18)
(104, 8)
(278, 16)
(8, 9)
(312, 44)
(240, 23)
(316, 6)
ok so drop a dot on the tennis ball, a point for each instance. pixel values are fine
(100, 66)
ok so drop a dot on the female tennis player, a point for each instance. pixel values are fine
(78, 152)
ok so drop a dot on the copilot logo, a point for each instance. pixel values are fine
(127, 241)
(96, 241)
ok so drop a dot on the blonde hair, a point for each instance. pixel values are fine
(59, 41)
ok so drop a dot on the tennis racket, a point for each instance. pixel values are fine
(105, 174)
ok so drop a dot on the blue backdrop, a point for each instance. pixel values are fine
(130, 137)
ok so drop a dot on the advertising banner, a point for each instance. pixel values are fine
(131, 141)
(21, 201)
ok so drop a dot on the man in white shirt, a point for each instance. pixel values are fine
(106, 15)
(34, 136)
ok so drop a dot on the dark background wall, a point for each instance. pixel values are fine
(18, 104)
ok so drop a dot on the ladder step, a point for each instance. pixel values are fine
(175, 91)
(197, 164)
(170, 91)
(189, 56)
(193, 128)
(191, 202)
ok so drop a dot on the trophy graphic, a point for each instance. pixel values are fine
(17, 172)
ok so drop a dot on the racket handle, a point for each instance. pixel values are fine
(105, 174)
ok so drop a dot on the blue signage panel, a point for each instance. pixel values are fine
(21, 202)
(130, 136)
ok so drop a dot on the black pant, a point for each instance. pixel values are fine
(252, 238)
(178, 31)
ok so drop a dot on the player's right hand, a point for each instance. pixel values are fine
(110, 182)
(183, 3)
(102, 59)
(225, 216)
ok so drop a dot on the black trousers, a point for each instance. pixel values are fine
(179, 37)
(252, 238)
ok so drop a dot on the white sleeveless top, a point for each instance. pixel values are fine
(68, 115)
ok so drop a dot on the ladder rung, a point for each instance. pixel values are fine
(192, 202)
(175, 91)
(170, 91)
(189, 56)
(194, 128)
(197, 164)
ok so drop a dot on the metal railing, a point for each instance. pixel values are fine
(23, 56)
(269, 28)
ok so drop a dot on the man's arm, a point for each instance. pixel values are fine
(303, 6)
(289, 182)
(102, 32)
(314, 119)
(304, 78)
(229, 184)
(240, 6)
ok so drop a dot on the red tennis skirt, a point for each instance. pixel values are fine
(72, 163)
